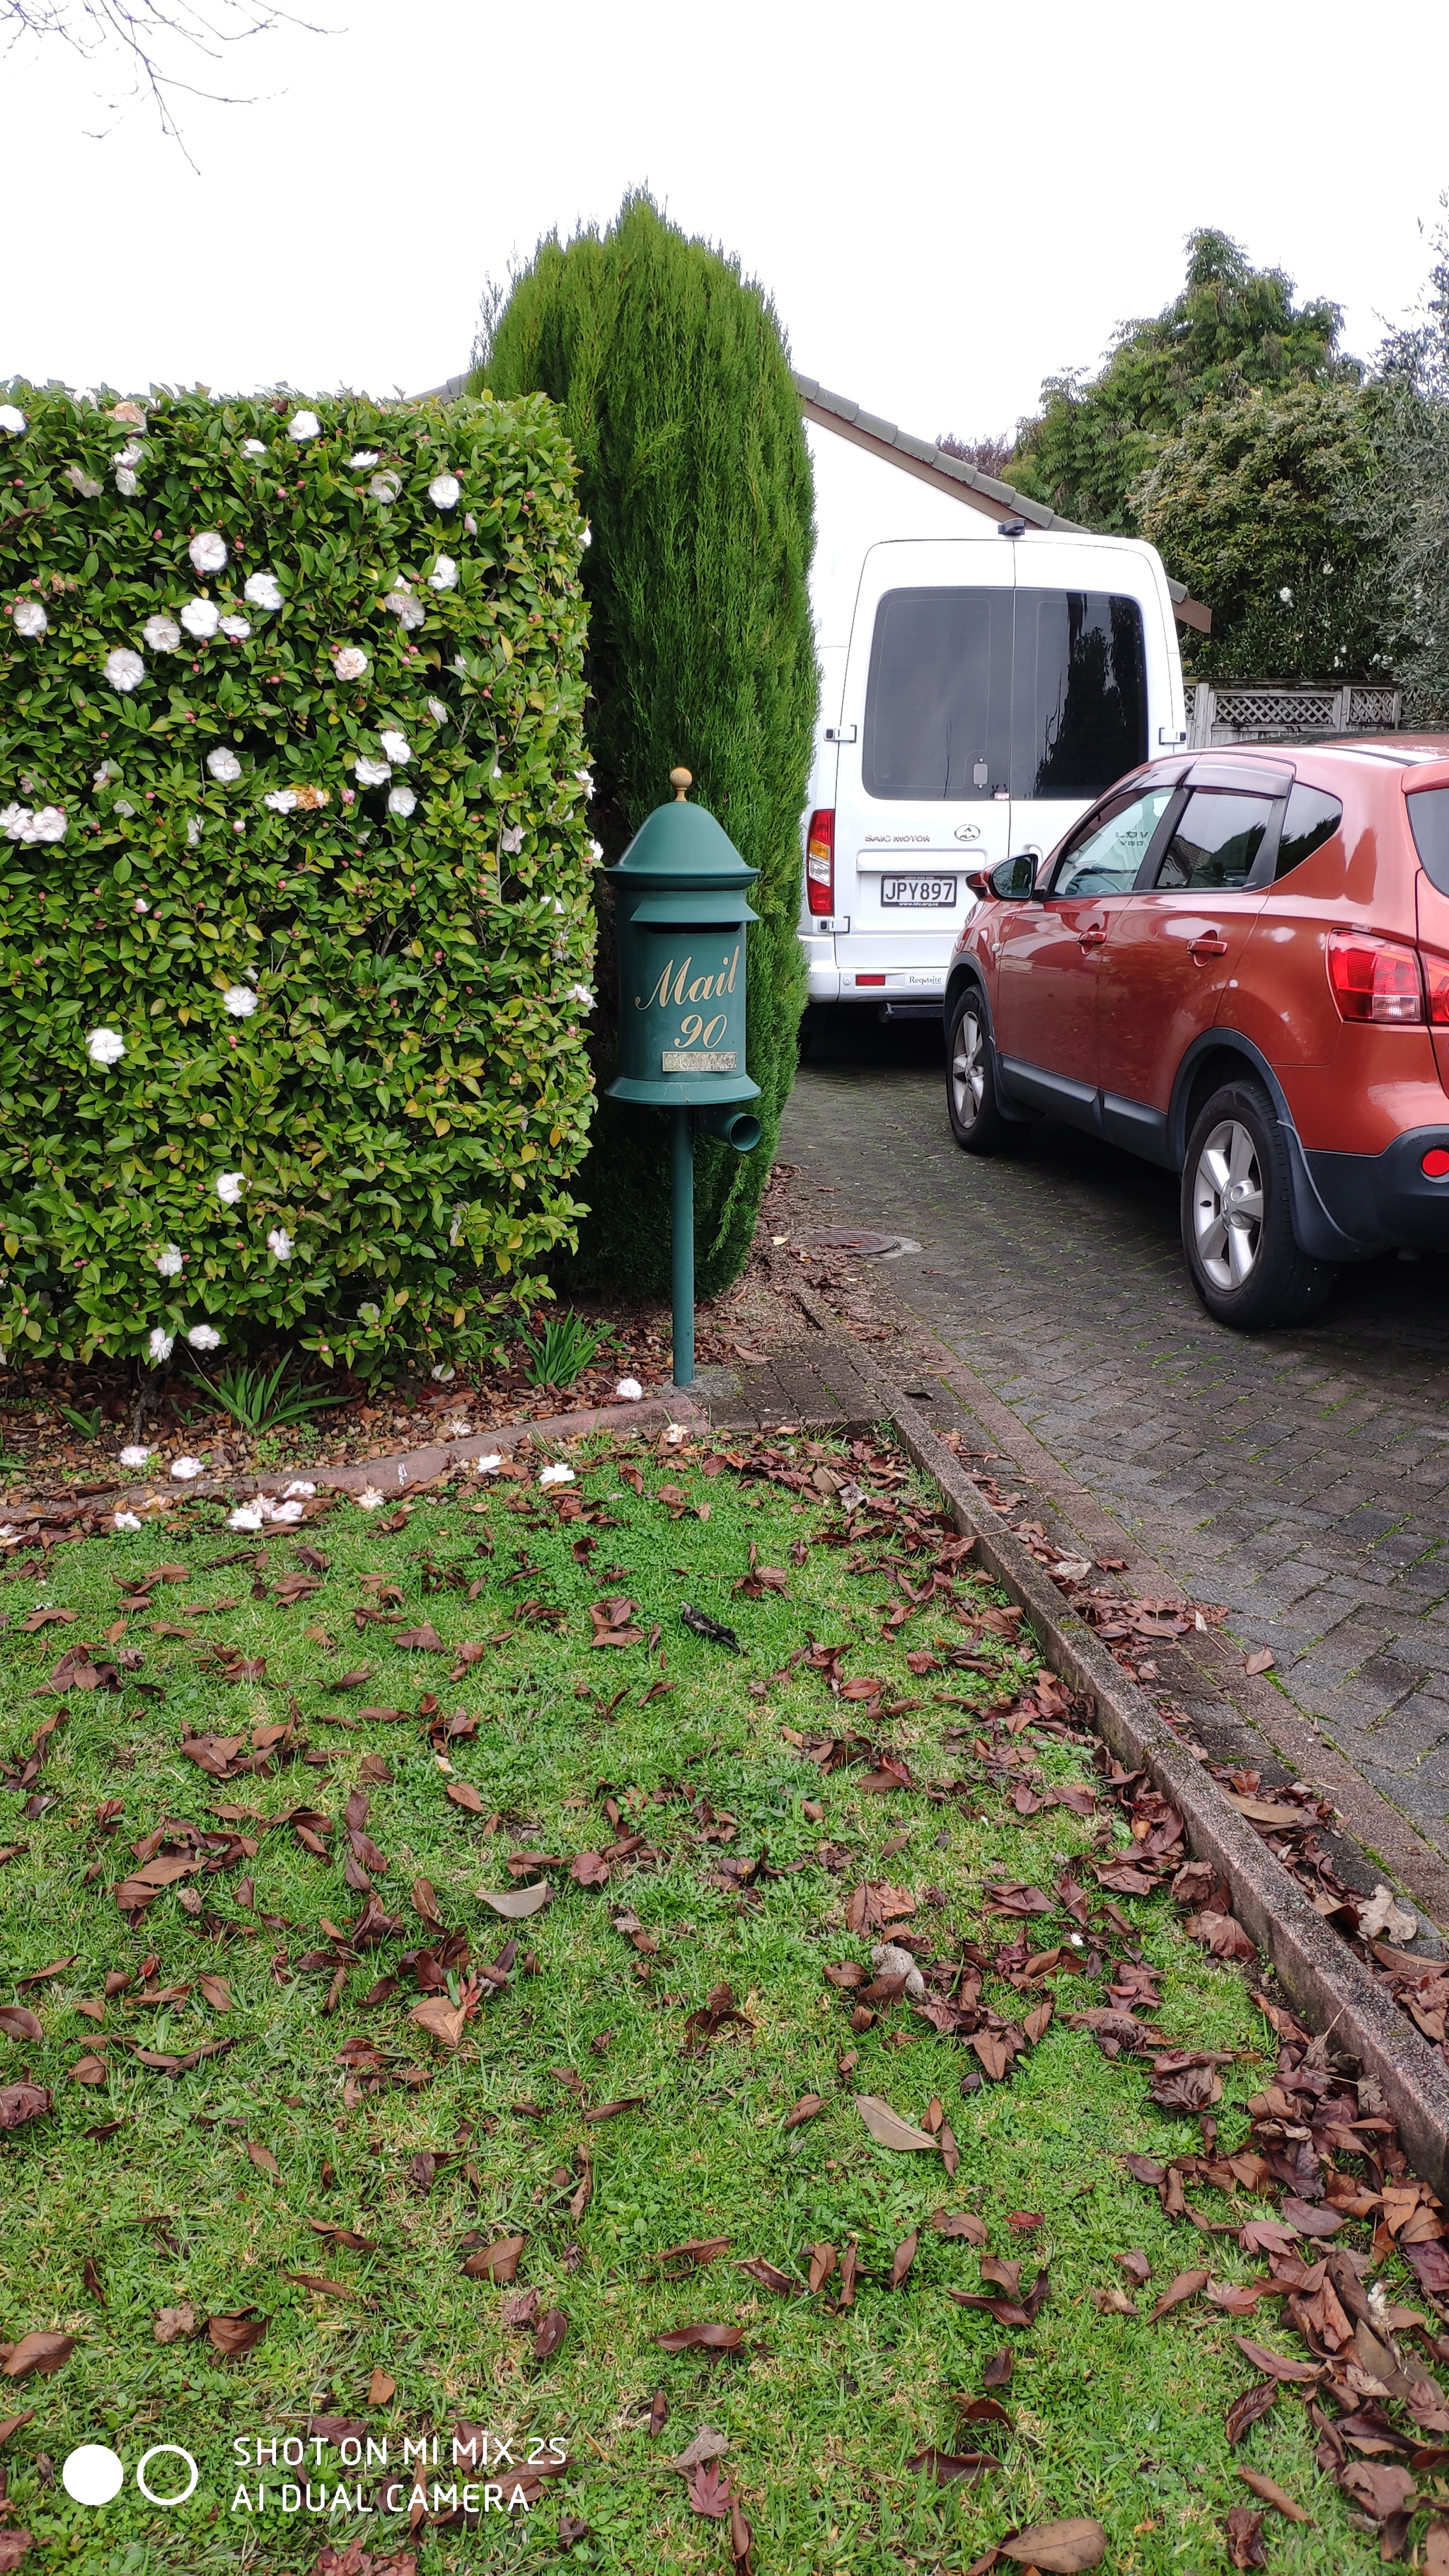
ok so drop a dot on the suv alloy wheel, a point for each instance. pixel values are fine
(976, 1122)
(1237, 1222)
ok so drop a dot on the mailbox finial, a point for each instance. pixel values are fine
(681, 782)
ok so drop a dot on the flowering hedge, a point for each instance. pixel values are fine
(295, 929)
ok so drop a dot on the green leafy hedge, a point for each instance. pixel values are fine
(295, 926)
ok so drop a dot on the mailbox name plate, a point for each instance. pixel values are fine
(677, 1060)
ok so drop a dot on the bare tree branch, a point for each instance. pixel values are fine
(148, 36)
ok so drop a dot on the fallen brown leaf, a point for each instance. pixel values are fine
(705, 2338)
(496, 2262)
(1273, 2494)
(1058, 2548)
(233, 2336)
(173, 2325)
(40, 2351)
(887, 2127)
(1245, 2528)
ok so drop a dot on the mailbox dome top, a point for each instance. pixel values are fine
(682, 842)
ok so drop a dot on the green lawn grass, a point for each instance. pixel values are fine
(822, 2409)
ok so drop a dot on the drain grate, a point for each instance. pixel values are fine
(847, 1238)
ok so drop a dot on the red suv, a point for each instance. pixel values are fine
(1237, 965)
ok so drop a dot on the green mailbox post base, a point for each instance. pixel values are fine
(681, 1213)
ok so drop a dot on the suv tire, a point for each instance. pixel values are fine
(1237, 1217)
(977, 1122)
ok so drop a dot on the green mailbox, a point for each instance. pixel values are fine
(681, 919)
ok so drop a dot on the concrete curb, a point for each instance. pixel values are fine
(1330, 1988)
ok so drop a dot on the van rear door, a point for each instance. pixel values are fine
(923, 788)
(1096, 678)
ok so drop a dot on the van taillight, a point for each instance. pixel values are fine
(1375, 979)
(820, 861)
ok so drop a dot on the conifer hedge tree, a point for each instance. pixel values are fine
(674, 383)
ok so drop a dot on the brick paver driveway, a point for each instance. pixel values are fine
(1301, 1478)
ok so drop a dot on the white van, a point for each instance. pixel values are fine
(982, 681)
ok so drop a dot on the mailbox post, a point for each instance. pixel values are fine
(681, 920)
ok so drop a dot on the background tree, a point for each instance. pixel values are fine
(1262, 506)
(1233, 328)
(1407, 508)
(674, 382)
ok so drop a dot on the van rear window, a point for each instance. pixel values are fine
(1429, 823)
(978, 693)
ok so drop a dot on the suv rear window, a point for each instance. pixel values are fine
(1429, 823)
(1310, 817)
(976, 693)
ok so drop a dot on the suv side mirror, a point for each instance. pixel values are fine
(1013, 880)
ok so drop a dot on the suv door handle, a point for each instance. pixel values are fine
(1210, 943)
(1094, 936)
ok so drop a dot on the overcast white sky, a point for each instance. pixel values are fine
(946, 204)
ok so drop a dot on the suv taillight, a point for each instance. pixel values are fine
(820, 861)
(1375, 979)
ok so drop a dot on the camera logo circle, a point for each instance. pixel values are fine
(162, 2450)
(93, 2474)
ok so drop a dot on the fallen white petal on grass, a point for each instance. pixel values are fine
(299, 1486)
(125, 1521)
(186, 1469)
(370, 1499)
(244, 1518)
(489, 1465)
(133, 1455)
(558, 1474)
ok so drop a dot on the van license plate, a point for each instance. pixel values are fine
(918, 891)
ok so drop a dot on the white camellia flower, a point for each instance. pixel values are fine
(370, 1500)
(470, 523)
(124, 1521)
(223, 764)
(385, 487)
(162, 634)
(585, 778)
(444, 491)
(140, 904)
(29, 617)
(437, 711)
(124, 669)
(201, 618)
(204, 1337)
(489, 1464)
(170, 1262)
(402, 802)
(557, 1475)
(279, 1243)
(11, 419)
(1287, 598)
(49, 824)
(208, 550)
(444, 575)
(675, 1435)
(512, 839)
(254, 447)
(244, 1518)
(105, 1046)
(298, 1486)
(15, 822)
(108, 770)
(409, 611)
(262, 590)
(240, 1000)
(580, 993)
(282, 800)
(372, 773)
(159, 1346)
(86, 484)
(193, 831)
(304, 424)
(236, 629)
(349, 662)
(134, 1456)
(185, 1469)
(229, 1189)
(126, 483)
(286, 1511)
(396, 745)
(364, 456)
(629, 1391)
